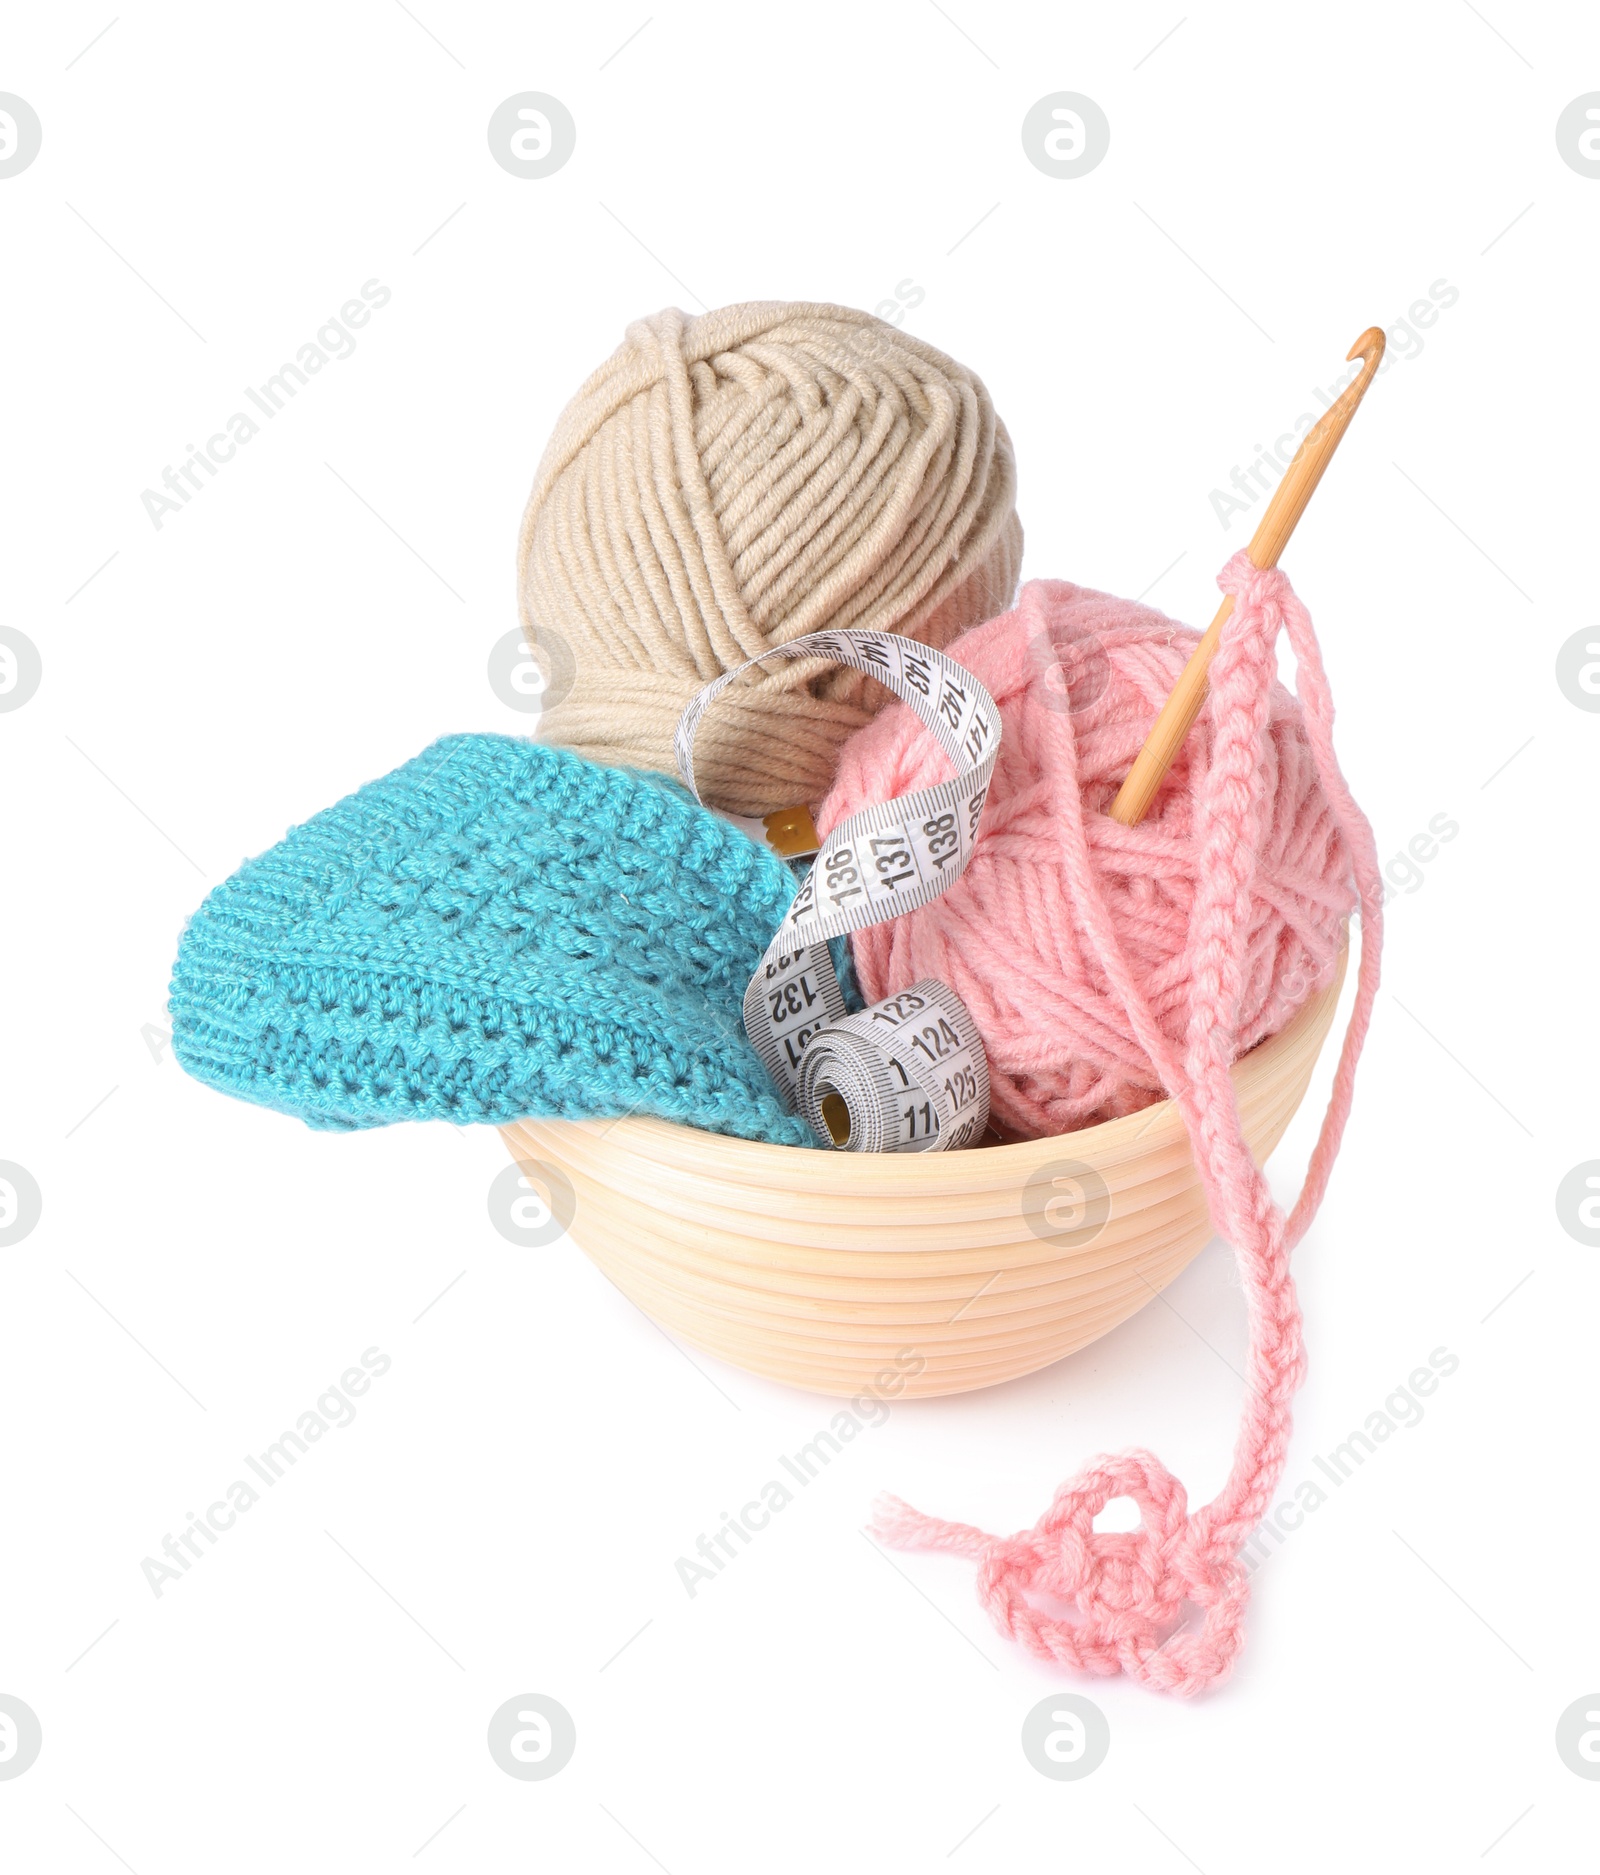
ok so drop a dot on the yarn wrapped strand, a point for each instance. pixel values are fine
(1077, 676)
(727, 483)
(1130, 1588)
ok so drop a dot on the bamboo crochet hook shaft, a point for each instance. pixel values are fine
(1287, 505)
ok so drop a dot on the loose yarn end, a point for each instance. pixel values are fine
(1132, 1590)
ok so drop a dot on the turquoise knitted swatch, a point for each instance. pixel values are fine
(499, 929)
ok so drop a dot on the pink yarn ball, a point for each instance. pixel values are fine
(1078, 677)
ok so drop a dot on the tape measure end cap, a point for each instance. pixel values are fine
(791, 833)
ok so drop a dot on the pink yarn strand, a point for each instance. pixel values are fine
(1132, 1589)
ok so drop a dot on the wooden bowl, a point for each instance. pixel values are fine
(941, 1272)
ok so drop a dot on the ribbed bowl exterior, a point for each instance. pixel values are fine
(943, 1271)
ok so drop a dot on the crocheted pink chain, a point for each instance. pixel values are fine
(1130, 1587)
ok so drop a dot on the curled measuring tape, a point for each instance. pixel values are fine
(910, 1073)
(890, 1078)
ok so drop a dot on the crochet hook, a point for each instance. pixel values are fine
(1287, 505)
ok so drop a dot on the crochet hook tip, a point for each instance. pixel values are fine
(1300, 479)
(1283, 511)
(1321, 442)
(1369, 346)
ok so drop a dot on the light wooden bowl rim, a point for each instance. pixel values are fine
(1127, 1141)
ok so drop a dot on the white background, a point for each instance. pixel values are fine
(523, 1479)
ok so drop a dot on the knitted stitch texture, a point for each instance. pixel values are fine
(496, 929)
(1128, 1589)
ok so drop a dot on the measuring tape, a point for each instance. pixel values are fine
(909, 1074)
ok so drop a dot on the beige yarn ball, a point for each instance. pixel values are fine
(729, 482)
